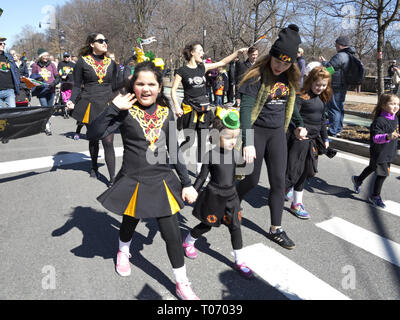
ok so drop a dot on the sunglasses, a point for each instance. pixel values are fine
(101, 41)
(2, 43)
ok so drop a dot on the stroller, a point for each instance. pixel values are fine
(64, 96)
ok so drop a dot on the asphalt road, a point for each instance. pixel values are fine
(57, 242)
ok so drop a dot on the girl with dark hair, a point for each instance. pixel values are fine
(219, 203)
(383, 146)
(303, 149)
(145, 188)
(195, 112)
(98, 75)
(268, 92)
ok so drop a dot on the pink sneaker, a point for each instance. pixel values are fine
(123, 265)
(190, 250)
(244, 270)
(185, 292)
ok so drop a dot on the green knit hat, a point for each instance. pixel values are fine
(41, 52)
(231, 120)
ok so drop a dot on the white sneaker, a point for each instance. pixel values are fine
(185, 292)
(123, 265)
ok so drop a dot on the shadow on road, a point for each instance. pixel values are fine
(100, 238)
(239, 288)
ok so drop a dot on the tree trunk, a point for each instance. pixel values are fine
(379, 65)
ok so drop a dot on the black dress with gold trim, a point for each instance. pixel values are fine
(218, 202)
(145, 186)
(95, 78)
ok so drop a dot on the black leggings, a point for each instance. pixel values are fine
(169, 229)
(190, 138)
(270, 145)
(378, 181)
(236, 234)
(109, 153)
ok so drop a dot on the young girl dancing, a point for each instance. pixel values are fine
(302, 160)
(383, 146)
(144, 189)
(219, 202)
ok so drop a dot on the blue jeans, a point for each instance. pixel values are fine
(7, 98)
(47, 100)
(218, 100)
(336, 111)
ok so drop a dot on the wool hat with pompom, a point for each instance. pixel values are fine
(286, 46)
(41, 52)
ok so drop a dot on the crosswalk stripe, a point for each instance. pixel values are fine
(392, 207)
(48, 162)
(364, 161)
(364, 239)
(292, 280)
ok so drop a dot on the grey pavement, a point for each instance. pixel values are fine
(57, 242)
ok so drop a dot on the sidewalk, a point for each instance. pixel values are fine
(354, 98)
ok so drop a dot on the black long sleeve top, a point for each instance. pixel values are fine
(88, 81)
(147, 136)
(221, 164)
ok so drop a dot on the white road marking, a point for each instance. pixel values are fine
(48, 162)
(364, 239)
(362, 160)
(292, 280)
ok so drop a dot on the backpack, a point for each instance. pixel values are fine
(355, 73)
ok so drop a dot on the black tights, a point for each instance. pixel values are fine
(236, 234)
(190, 138)
(270, 145)
(378, 181)
(169, 229)
(109, 154)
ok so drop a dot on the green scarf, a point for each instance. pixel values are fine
(266, 81)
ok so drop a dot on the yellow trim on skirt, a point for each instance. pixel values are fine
(130, 209)
(187, 109)
(87, 113)
(171, 199)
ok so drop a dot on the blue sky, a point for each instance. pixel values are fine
(17, 14)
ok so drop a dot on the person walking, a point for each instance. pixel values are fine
(99, 76)
(242, 67)
(340, 62)
(301, 63)
(144, 190)
(219, 203)
(383, 147)
(9, 77)
(195, 113)
(303, 149)
(44, 70)
(268, 93)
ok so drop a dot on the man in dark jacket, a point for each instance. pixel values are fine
(9, 77)
(242, 67)
(340, 62)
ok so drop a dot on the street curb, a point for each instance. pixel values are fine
(358, 148)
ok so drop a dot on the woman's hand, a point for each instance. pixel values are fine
(301, 133)
(392, 136)
(243, 50)
(249, 154)
(326, 144)
(179, 112)
(124, 102)
(70, 105)
(189, 194)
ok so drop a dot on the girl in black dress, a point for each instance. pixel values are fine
(383, 146)
(303, 150)
(195, 113)
(219, 202)
(146, 186)
(98, 75)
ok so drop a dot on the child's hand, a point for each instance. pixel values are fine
(249, 154)
(179, 112)
(394, 135)
(70, 105)
(189, 194)
(125, 102)
(301, 133)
